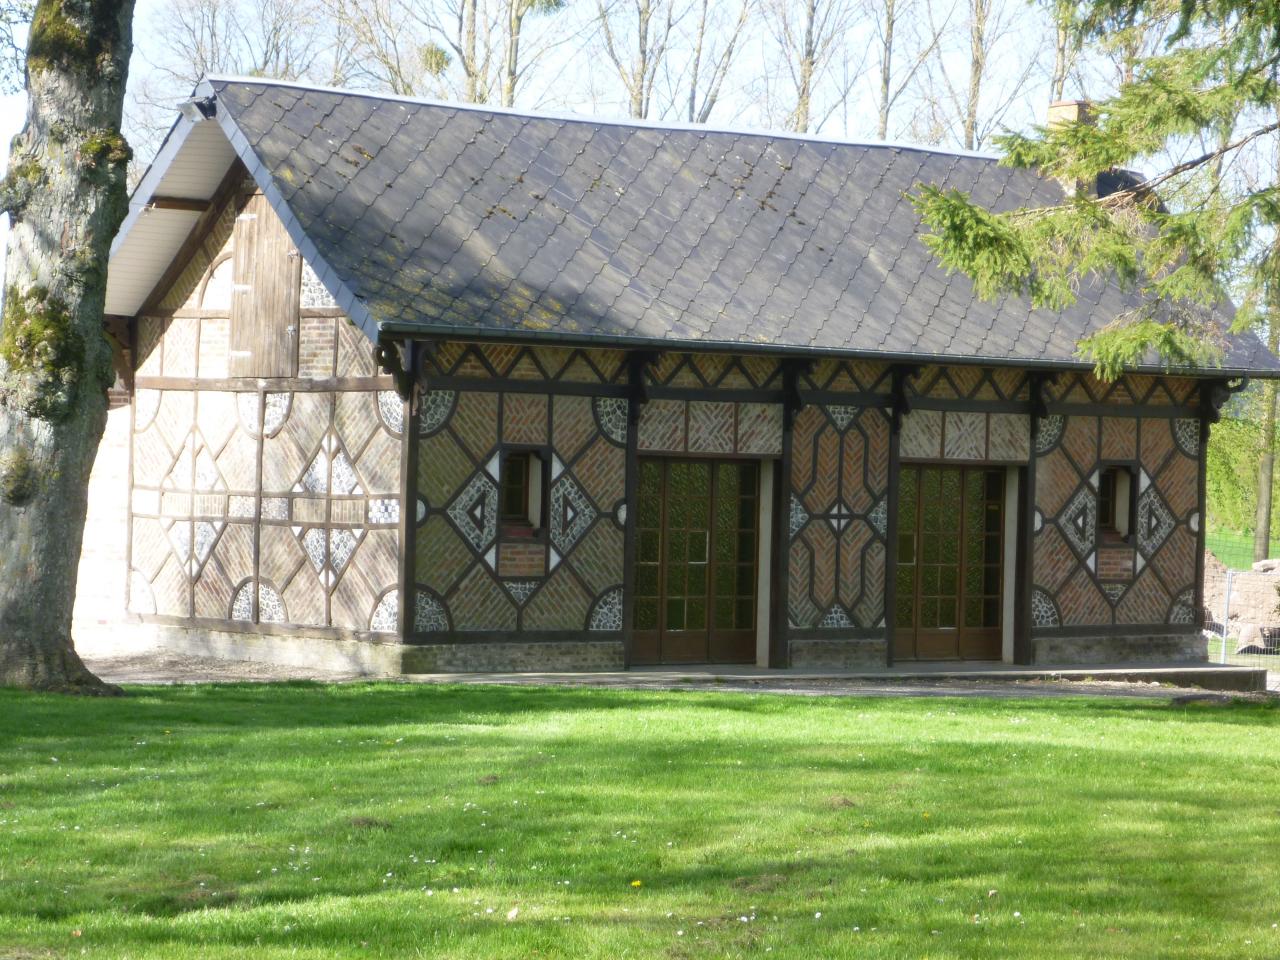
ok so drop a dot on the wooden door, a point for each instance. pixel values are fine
(696, 563)
(950, 572)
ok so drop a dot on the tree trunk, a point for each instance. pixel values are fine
(511, 74)
(65, 193)
(640, 73)
(805, 70)
(1058, 81)
(1267, 462)
(470, 67)
(886, 67)
(979, 11)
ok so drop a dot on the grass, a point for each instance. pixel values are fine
(418, 821)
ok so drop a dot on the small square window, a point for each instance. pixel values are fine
(1117, 503)
(520, 493)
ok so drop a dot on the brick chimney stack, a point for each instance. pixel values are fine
(1062, 112)
(1068, 111)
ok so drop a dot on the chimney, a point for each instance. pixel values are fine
(1068, 111)
(1061, 113)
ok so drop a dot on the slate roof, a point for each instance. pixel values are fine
(481, 222)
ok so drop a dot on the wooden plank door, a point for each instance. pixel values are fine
(264, 305)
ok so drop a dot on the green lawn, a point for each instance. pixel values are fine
(421, 821)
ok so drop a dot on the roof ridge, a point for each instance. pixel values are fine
(569, 117)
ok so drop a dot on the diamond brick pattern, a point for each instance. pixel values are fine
(1139, 587)
(474, 512)
(1079, 520)
(572, 513)
(1155, 522)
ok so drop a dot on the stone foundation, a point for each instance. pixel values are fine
(846, 654)
(1135, 648)
(364, 657)
(385, 659)
(545, 657)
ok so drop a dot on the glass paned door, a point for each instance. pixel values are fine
(696, 533)
(949, 578)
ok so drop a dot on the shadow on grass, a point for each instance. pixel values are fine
(310, 705)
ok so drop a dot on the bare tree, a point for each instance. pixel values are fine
(981, 69)
(14, 16)
(904, 42)
(65, 196)
(1066, 47)
(387, 50)
(636, 40)
(283, 39)
(716, 38)
(808, 36)
(473, 50)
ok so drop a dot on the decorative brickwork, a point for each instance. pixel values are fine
(557, 578)
(1099, 583)
(839, 486)
(957, 435)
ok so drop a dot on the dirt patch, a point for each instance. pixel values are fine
(759, 884)
(370, 823)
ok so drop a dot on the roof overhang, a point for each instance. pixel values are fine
(170, 199)
(164, 208)
(394, 330)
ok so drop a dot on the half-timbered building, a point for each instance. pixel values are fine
(449, 387)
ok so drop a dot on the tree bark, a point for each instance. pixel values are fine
(1066, 48)
(1267, 462)
(65, 193)
(805, 70)
(979, 11)
(886, 67)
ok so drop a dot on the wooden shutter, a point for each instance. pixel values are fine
(264, 304)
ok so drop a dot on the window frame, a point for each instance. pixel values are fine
(524, 529)
(1109, 533)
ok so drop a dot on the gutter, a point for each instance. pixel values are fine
(389, 330)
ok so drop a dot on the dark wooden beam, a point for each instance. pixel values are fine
(199, 232)
(900, 374)
(186, 204)
(1215, 393)
(1037, 380)
(639, 362)
(792, 399)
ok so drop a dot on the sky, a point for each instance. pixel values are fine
(594, 90)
